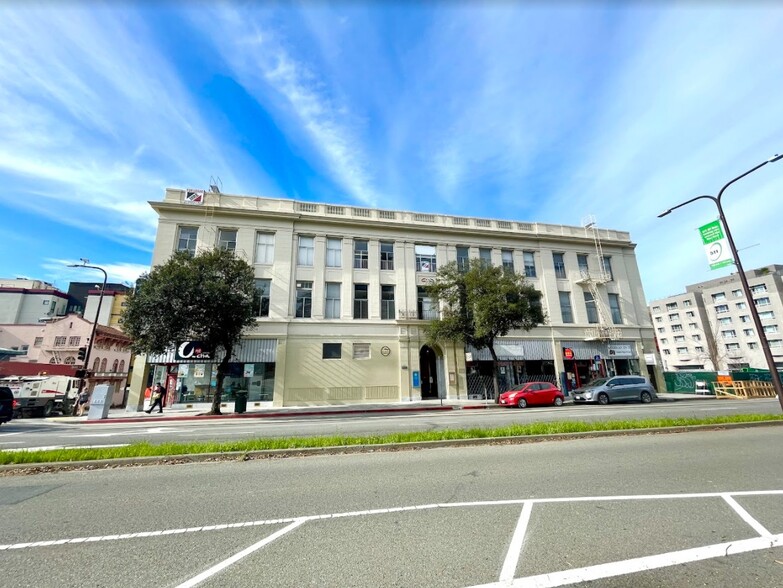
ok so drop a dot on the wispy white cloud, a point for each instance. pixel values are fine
(58, 272)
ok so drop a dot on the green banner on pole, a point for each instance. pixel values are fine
(716, 245)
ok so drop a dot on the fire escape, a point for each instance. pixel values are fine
(594, 282)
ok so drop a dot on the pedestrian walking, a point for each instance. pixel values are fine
(81, 402)
(157, 399)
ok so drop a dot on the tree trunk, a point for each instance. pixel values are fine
(221, 375)
(491, 347)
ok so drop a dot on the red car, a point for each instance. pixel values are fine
(533, 394)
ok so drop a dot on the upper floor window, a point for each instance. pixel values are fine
(676, 328)
(360, 301)
(675, 316)
(725, 320)
(661, 329)
(74, 341)
(122, 366)
(763, 301)
(656, 309)
(607, 263)
(425, 305)
(614, 307)
(748, 332)
(658, 319)
(697, 337)
(334, 252)
(387, 255)
(507, 256)
(767, 314)
(732, 346)
(485, 255)
(770, 328)
(187, 239)
(687, 303)
(559, 262)
(682, 351)
(745, 318)
(38, 342)
(59, 341)
(679, 339)
(581, 261)
(592, 311)
(753, 345)
(671, 306)
(690, 314)
(265, 248)
(736, 293)
(758, 288)
(729, 334)
(462, 258)
(741, 305)
(565, 307)
(304, 299)
(719, 297)
(530, 264)
(263, 291)
(361, 255)
(721, 308)
(664, 341)
(306, 251)
(387, 303)
(426, 258)
(227, 239)
(332, 307)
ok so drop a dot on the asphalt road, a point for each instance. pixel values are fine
(31, 433)
(644, 511)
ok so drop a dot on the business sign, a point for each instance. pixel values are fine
(716, 245)
(621, 350)
(568, 353)
(192, 350)
(193, 196)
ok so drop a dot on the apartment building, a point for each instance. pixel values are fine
(710, 327)
(24, 301)
(343, 301)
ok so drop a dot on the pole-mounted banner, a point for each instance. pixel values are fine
(716, 245)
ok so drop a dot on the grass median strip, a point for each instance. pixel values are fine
(145, 449)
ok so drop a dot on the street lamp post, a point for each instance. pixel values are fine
(773, 370)
(88, 355)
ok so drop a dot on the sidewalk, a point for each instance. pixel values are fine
(120, 415)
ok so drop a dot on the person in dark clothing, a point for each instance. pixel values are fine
(157, 399)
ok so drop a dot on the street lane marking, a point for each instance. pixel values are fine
(745, 515)
(515, 548)
(639, 564)
(54, 447)
(244, 553)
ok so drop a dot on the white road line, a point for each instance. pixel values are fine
(14, 433)
(745, 515)
(640, 564)
(54, 447)
(515, 548)
(244, 553)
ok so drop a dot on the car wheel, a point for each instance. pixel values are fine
(558, 401)
(521, 403)
(646, 397)
(47, 410)
(603, 398)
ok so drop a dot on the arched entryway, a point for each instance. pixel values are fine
(430, 374)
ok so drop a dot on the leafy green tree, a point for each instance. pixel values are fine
(481, 302)
(209, 297)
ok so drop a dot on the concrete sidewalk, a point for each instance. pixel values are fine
(197, 413)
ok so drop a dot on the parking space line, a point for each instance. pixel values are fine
(244, 553)
(639, 564)
(745, 515)
(515, 548)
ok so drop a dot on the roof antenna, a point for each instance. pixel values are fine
(215, 184)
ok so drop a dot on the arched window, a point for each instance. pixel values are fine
(103, 364)
(53, 360)
(115, 365)
(96, 365)
(122, 366)
(70, 360)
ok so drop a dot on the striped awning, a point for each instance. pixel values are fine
(515, 349)
(246, 351)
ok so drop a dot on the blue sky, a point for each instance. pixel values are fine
(533, 111)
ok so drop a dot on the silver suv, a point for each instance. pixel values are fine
(606, 390)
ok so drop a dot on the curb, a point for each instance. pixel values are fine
(49, 467)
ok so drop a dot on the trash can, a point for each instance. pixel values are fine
(240, 402)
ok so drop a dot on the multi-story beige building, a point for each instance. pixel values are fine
(710, 327)
(343, 301)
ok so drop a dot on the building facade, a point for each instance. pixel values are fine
(710, 327)
(24, 301)
(343, 302)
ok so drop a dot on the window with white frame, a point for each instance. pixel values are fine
(606, 261)
(530, 264)
(661, 329)
(38, 342)
(304, 299)
(614, 307)
(361, 255)
(582, 264)
(306, 251)
(387, 303)
(559, 261)
(721, 308)
(699, 349)
(265, 248)
(656, 309)
(671, 306)
(263, 292)
(227, 239)
(744, 318)
(387, 255)
(767, 314)
(332, 306)
(658, 319)
(729, 334)
(763, 301)
(687, 303)
(675, 316)
(690, 314)
(770, 329)
(360, 301)
(749, 332)
(679, 339)
(592, 310)
(775, 343)
(753, 345)
(719, 297)
(59, 341)
(186, 240)
(565, 307)
(697, 337)
(741, 305)
(725, 320)
(507, 256)
(732, 346)
(485, 255)
(334, 252)
(758, 288)
(693, 326)
(736, 293)
(426, 260)
(676, 328)
(682, 351)
(664, 341)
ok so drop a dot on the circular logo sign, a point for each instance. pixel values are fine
(385, 351)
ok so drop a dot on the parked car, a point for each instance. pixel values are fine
(6, 404)
(533, 394)
(618, 388)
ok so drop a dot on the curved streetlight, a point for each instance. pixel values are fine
(87, 356)
(773, 370)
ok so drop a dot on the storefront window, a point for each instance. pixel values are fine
(196, 382)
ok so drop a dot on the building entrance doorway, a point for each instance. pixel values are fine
(429, 372)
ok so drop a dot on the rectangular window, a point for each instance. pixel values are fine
(265, 248)
(736, 293)
(559, 262)
(656, 309)
(462, 258)
(425, 259)
(607, 263)
(658, 319)
(676, 328)
(186, 241)
(334, 252)
(263, 291)
(38, 342)
(697, 337)
(729, 334)
(686, 303)
(425, 305)
(661, 329)
(581, 261)
(360, 301)
(745, 318)
(775, 343)
(304, 299)
(679, 339)
(719, 297)
(664, 341)
(361, 254)
(332, 307)
(485, 255)
(748, 332)
(565, 307)
(675, 316)
(508, 260)
(763, 301)
(306, 251)
(690, 314)
(721, 308)
(74, 341)
(693, 326)
(59, 341)
(227, 239)
(361, 351)
(770, 328)
(332, 351)
(758, 288)
(699, 349)
(387, 303)
(741, 305)
(725, 320)
(767, 314)
(530, 264)
(732, 346)
(671, 306)
(682, 351)
(592, 311)
(753, 345)
(614, 307)
(387, 255)
(667, 352)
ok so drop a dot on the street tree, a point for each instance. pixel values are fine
(480, 302)
(208, 297)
